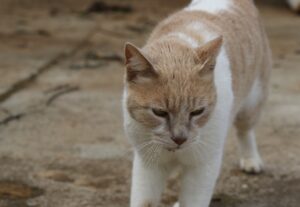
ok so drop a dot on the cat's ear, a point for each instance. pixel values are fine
(138, 68)
(208, 53)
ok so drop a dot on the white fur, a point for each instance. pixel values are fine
(198, 27)
(147, 184)
(211, 6)
(189, 40)
(294, 4)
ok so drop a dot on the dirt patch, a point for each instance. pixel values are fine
(13, 190)
(224, 200)
(100, 7)
(55, 175)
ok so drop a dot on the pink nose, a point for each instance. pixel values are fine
(179, 140)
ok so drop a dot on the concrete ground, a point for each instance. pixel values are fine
(61, 135)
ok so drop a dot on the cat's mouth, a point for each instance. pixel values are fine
(174, 148)
(171, 149)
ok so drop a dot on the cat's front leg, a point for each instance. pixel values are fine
(198, 185)
(147, 184)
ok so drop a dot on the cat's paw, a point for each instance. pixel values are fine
(176, 204)
(251, 165)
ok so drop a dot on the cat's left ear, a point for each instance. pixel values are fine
(208, 53)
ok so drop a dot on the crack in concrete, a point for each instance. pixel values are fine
(50, 96)
(48, 100)
(62, 91)
(10, 118)
(24, 83)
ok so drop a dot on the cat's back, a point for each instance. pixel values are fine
(244, 37)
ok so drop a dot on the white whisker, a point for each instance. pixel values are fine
(143, 145)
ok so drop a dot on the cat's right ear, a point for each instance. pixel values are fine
(138, 68)
(208, 53)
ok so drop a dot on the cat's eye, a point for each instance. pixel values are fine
(160, 113)
(197, 112)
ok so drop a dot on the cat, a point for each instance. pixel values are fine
(294, 4)
(202, 70)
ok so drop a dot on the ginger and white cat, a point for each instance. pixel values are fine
(203, 69)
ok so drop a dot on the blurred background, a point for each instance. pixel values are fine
(61, 133)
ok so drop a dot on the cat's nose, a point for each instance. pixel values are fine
(179, 140)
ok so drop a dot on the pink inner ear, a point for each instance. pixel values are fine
(130, 51)
(210, 50)
(207, 54)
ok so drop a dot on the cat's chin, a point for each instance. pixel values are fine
(173, 149)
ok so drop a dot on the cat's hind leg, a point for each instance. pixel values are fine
(245, 122)
(250, 160)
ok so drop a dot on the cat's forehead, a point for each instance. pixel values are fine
(170, 54)
(182, 102)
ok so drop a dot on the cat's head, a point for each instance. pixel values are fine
(170, 89)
